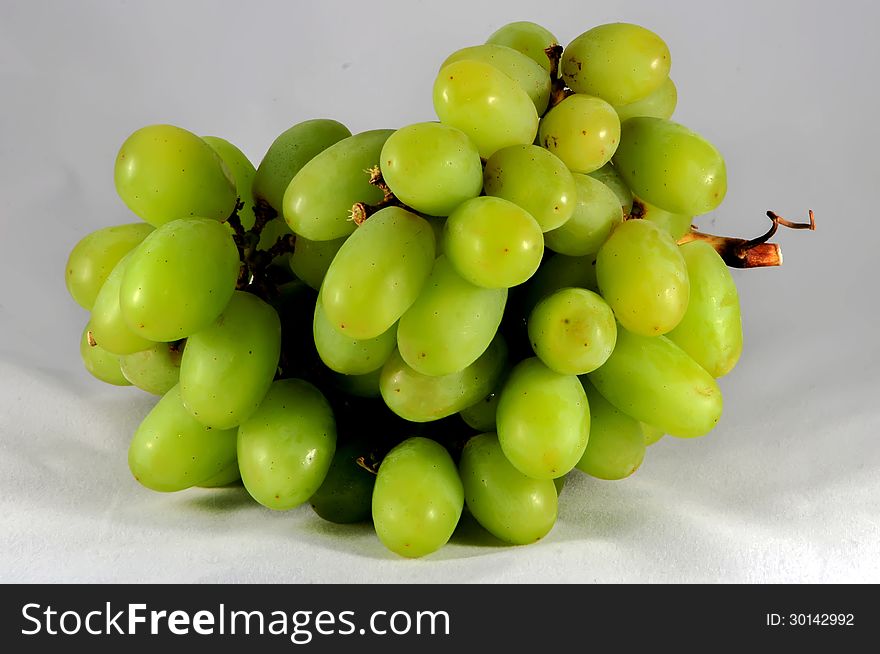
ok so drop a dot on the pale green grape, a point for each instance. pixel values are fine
(179, 279)
(99, 362)
(534, 179)
(618, 62)
(543, 420)
(673, 224)
(109, 329)
(596, 213)
(651, 434)
(378, 273)
(92, 259)
(311, 259)
(366, 385)
(156, 370)
(508, 504)
(485, 104)
(493, 243)
(172, 451)
(346, 355)
(653, 380)
(643, 277)
(481, 416)
(346, 494)
(226, 477)
(572, 331)
(609, 176)
(292, 150)
(418, 498)
(529, 38)
(581, 130)
(431, 167)
(660, 103)
(558, 271)
(711, 330)
(243, 172)
(286, 446)
(164, 173)
(450, 324)
(422, 398)
(670, 166)
(317, 203)
(617, 445)
(227, 367)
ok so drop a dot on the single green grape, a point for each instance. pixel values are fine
(651, 434)
(311, 259)
(100, 363)
(418, 498)
(92, 259)
(366, 385)
(508, 504)
(617, 445)
(493, 243)
(653, 380)
(346, 494)
(378, 273)
(179, 279)
(660, 103)
(227, 477)
(581, 130)
(711, 329)
(609, 176)
(673, 224)
(286, 446)
(485, 104)
(172, 451)
(558, 271)
(543, 420)
(529, 38)
(317, 203)
(618, 62)
(481, 416)
(164, 173)
(227, 367)
(242, 171)
(156, 370)
(534, 179)
(572, 331)
(596, 212)
(346, 355)
(670, 166)
(109, 330)
(292, 150)
(643, 276)
(431, 167)
(450, 324)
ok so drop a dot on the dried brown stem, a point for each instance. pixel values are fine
(370, 466)
(263, 213)
(360, 211)
(554, 54)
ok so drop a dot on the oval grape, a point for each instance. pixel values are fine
(596, 212)
(346, 355)
(616, 447)
(581, 130)
(100, 363)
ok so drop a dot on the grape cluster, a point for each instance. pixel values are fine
(398, 324)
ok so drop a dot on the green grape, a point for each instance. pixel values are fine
(581, 130)
(172, 451)
(422, 398)
(596, 213)
(485, 104)
(617, 445)
(346, 355)
(559, 484)
(346, 495)
(99, 362)
(660, 103)
(618, 62)
(558, 271)
(226, 477)
(292, 150)
(673, 224)
(418, 498)
(651, 434)
(643, 277)
(431, 167)
(609, 176)
(378, 273)
(530, 76)
(572, 331)
(493, 243)
(450, 324)
(366, 385)
(534, 179)
(227, 367)
(243, 172)
(508, 504)
(286, 446)
(164, 173)
(543, 420)
(318, 201)
(156, 370)
(109, 329)
(670, 166)
(653, 380)
(311, 259)
(179, 279)
(92, 259)
(711, 330)
(529, 38)
(481, 416)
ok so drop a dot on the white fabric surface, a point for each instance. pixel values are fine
(786, 489)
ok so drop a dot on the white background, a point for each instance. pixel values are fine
(786, 489)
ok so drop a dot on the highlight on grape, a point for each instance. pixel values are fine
(397, 325)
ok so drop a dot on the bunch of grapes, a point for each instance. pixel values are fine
(398, 324)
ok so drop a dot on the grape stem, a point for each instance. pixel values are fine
(254, 274)
(360, 211)
(558, 90)
(371, 466)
